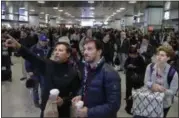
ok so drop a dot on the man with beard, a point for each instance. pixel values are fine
(101, 89)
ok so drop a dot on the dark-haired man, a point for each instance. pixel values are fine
(57, 74)
(101, 90)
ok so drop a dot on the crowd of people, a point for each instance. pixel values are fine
(83, 64)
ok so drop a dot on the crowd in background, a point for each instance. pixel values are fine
(129, 51)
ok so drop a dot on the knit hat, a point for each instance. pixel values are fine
(64, 39)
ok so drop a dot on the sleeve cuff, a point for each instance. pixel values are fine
(149, 85)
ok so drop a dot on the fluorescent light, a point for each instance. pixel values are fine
(122, 8)
(91, 1)
(92, 13)
(32, 10)
(118, 10)
(60, 10)
(41, 1)
(22, 8)
(92, 8)
(105, 22)
(55, 7)
(132, 1)
(114, 13)
(41, 12)
(67, 14)
(141, 13)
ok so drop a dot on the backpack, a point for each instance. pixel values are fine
(169, 76)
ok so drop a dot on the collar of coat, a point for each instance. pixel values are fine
(97, 66)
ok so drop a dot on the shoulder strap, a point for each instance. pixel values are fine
(151, 70)
(170, 75)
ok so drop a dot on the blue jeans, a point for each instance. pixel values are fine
(39, 80)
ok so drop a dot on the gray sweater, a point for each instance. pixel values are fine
(171, 90)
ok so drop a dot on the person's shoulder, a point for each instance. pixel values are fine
(109, 71)
(34, 47)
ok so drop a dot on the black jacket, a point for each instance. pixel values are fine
(125, 46)
(138, 62)
(61, 76)
(139, 70)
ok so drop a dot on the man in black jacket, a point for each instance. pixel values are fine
(58, 73)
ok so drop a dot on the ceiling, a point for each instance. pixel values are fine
(78, 10)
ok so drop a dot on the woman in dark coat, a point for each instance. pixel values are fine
(108, 52)
(135, 69)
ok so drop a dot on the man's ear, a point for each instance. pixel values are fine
(69, 54)
(99, 52)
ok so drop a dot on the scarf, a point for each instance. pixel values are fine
(86, 71)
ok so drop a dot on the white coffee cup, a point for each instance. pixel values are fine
(54, 94)
(79, 104)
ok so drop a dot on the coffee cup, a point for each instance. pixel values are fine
(79, 104)
(54, 94)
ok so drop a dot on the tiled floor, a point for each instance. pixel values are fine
(17, 100)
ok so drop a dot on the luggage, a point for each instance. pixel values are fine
(147, 103)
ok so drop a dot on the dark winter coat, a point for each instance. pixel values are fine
(61, 76)
(102, 95)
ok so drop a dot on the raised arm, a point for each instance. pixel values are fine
(35, 60)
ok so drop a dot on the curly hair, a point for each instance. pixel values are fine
(167, 49)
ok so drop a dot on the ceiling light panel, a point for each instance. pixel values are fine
(122, 8)
(60, 10)
(55, 7)
(32, 10)
(118, 10)
(21, 8)
(41, 1)
(92, 8)
(132, 2)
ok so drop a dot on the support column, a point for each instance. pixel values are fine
(153, 17)
(52, 22)
(115, 24)
(128, 20)
(34, 20)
